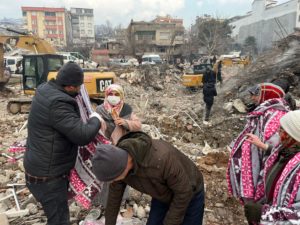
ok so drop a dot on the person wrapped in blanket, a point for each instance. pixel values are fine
(247, 163)
(118, 116)
(282, 192)
(119, 119)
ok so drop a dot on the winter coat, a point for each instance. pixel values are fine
(161, 171)
(55, 130)
(115, 132)
(209, 76)
(209, 92)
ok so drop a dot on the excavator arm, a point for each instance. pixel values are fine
(28, 42)
(24, 41)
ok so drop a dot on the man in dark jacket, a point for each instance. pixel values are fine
(156, 168)
(209, 91)
(55, 130)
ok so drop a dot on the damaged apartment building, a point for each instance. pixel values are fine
(268, 22)
(163, 36)
(61, 27)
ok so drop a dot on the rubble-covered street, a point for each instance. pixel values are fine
(168, 111)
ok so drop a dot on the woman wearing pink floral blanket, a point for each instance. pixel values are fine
(246, 163)
(282, 180)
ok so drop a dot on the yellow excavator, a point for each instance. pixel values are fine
(42, 66)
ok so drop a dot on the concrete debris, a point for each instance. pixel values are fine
(16, 213)
(239, 106)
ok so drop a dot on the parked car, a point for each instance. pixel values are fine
(151, 59)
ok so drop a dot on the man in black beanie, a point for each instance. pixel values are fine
(55, 130)
(156, 168)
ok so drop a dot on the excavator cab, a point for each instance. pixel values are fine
(193, 78)
(37, 68)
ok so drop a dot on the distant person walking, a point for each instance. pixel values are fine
(209, 92)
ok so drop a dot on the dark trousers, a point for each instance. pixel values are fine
(53, 195)
(207, 111)
(193, 214)
(219, 77)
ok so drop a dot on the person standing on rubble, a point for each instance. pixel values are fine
(119, 119)
(156, 168)
(246, 163)
(55, 130)
(209, 91)
(282, 170)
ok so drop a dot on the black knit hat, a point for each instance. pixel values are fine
(70, 74)
(109, 162)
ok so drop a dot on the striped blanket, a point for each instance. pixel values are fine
(285, 208)
(246, 164)
(83, 183)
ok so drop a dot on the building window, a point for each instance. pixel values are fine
(90, 32)
(61, 32)
(50, 14)
(78, 11)
(88, 11)
(82, 24)
(82, 32)
(33, 22)
(33, 13)
(59, 22)
(89, 24)
(164, 35)
(145, 35)
(24, 13)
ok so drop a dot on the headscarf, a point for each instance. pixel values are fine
(116, 109)
(269, 91)
(290, 129)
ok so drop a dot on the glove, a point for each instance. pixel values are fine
(94, 114)
(253, 211)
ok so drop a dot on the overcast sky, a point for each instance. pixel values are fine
(122, 11)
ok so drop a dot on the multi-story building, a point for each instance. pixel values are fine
(82, 23)
(47, 23)
(163, 36)
(268, 22)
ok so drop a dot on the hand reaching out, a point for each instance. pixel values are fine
(253, 139)
(121, 122)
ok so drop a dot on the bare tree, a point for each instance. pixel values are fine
(213, 34)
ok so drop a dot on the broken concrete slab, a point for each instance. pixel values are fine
(15, 213)
(239, 106)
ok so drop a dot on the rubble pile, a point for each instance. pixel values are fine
(280, 62)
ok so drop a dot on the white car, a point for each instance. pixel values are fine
(151, 59)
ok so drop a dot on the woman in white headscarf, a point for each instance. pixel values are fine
(118, 116)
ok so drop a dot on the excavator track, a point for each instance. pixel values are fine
(21, 105)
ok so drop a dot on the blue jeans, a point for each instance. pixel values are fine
(53, 195)
(193, 214)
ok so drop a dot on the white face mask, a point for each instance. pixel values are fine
(113, 100)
